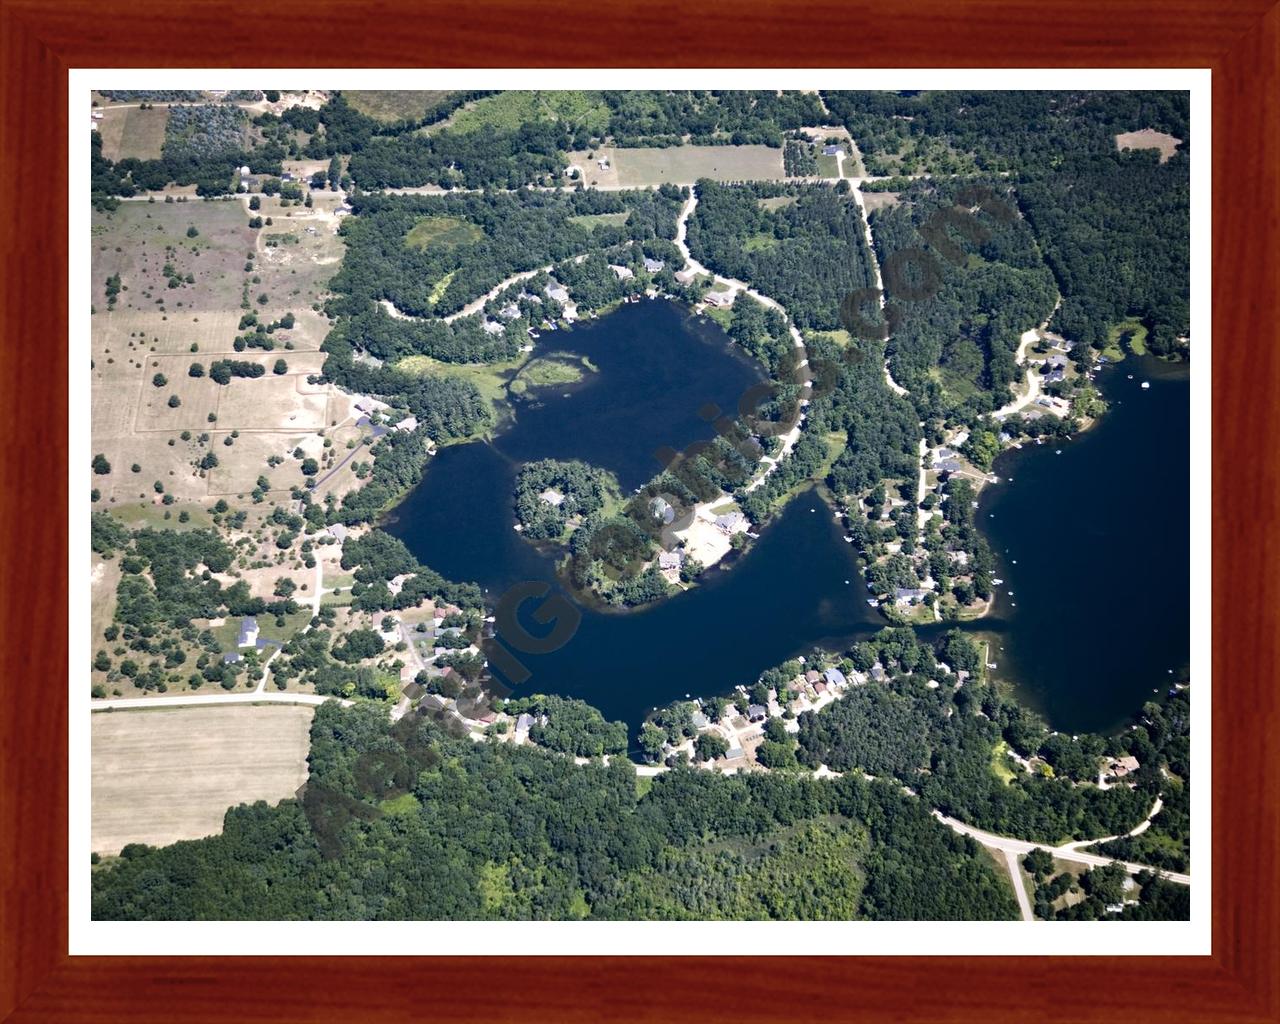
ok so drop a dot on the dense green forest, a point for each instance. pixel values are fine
(1113, 226)
(942, 741)
(731, 117)
(411, 822)
(806, 255)
(478, 240)
(961, 286)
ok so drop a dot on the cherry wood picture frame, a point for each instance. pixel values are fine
(39, 41)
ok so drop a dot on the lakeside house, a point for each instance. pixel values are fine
(757, 713)
(552, 497)
(622, 273)
(492, 327)
(686, 275)
(509, 312)
(835, 677)
(904, 596)
(732, 522)
(721, 300)
(1123, 766)
(812, 676)
(670, 559)
(408, 424)
(554, 291)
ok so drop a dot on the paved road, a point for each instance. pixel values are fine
(1069, 851)
(1019, 886)
(792, 436)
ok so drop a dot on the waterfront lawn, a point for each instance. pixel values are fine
(1129, 335)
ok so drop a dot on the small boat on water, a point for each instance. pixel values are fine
(1146, 384)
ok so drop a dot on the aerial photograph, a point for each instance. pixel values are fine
(638, 505)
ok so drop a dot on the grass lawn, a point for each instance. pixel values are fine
(724, 317)
(442, 233)
(228, 632)
(1000, 763)
(438, 289)
(394, 104)
(828, 167)
(760, 240)
(841, 338)
(138, 514)
(403, 806)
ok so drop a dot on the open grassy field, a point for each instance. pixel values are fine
(442, 233)
(1147, 138)
(775, 202)
(879, 200)
(168, 774)
(508, 110)
(132, 132)
(760, 240)
(681, 165)
(828, 166)
(394, 104)
(138, 239)
(591, 221)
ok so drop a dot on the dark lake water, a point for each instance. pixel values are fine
(1100, 612)
(798, 586)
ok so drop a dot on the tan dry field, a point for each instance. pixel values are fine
(1148, 138)
(393, 104)
(168, 774)
(680, 165)
(879, 200)
(132, 132)
(132, 422)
